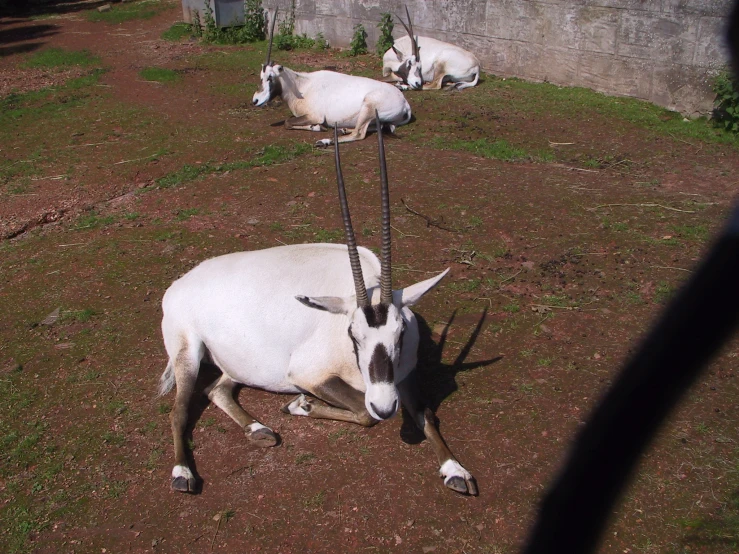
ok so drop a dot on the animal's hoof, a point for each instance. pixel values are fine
(462, 485)
(183, 484)
(300, 405)
(263, 437)
(323, 143)
(458, 478)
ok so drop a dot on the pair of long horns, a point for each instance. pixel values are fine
(271, 38)
(386, 288)
(409, 30)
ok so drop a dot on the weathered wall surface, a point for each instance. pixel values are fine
(664, 51)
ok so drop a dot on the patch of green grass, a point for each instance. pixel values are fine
(582, 103)
(92, 220)
(325, 235)
(160, 75)
(60, 58)
(268, 156)
(499, 149)
(512, 308)
(82, 316)
(185, 214)
(469, 285)
(177, 32)
(41, 105)
(120, 13)
(545, 362)
(697, 233)
(251, 55)
(304, 458)
(718, 529)
(315, 501)
(663, 292)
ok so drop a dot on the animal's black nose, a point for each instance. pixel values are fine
(388, 413)
(254, 102)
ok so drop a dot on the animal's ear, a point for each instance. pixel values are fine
(410, 295)
(398, 53)
(332, 304)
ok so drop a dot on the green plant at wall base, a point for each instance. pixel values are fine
(726, 105)
(358, 44)
(253, 29)
(386, 33)
(196, 27)
(254, 21)
(287, 25)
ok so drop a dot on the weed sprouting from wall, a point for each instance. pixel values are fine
(726, 105)
(358, 44)
(386, 33)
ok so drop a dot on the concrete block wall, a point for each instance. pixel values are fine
(664, 51)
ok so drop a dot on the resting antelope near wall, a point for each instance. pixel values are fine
(322, 99)
(422, 62)
(300, 319)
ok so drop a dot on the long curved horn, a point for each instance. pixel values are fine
(351, 243)
(386, 285)
(409, 30)
(271, 37)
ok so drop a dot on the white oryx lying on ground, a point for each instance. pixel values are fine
(300, 319)
(422, 62)
(322, 99)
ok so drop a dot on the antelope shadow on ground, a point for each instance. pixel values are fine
(438, 379)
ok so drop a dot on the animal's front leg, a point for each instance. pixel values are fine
(455, 476)
(221, 393)
(303, 123)
(337, 400)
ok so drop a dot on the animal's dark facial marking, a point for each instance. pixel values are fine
(403, 71)
(355, 343)
(376, 316)
(275, 88)
(381, 366)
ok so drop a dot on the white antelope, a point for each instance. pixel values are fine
(300, 319)
(322, 99)
(422, 62)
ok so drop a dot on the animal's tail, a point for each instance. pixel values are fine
(166, 381)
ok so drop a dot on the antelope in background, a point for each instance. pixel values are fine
(422, 62)
(322, 99)
(299, 319)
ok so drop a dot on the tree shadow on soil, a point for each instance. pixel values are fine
(10, 37)
(438, 380)
(25, 8)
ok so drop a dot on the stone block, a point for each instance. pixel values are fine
(661, 38)
(711, 50)
(684, 89)
(620, 76)
(597, 29)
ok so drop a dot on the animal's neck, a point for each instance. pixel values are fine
(290, 82)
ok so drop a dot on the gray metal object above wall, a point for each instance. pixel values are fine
(226, 13)
(665, 52)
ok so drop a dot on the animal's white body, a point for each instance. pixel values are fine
(301, 319)
(326, 98)
(242, 307)
(441, 62)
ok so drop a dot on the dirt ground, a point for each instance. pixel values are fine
(561, 256)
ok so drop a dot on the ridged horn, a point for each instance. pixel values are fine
(386, 285)
(409, 30)
(271, 37)
(351, 243)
